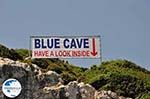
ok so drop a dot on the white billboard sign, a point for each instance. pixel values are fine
(65, 46)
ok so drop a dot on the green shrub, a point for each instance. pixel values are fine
(43, 63)
(144, 96)
(58, 70)
(9, 53)
(66, 77)
(23, 52)
(125, 85)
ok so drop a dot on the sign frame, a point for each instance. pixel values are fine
(93, 36)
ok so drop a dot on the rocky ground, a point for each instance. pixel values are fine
(47, 85)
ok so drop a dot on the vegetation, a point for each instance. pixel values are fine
(144, 96)
(121, 76)
(23, 52)
(9, 53)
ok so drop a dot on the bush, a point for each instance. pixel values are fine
(125, 85)
(144, 96)
(100, 82)
(66, 77)
(42, 63)
(23, 52)
(9, 53)
(57, 70)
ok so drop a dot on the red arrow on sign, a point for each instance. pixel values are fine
(94, 53)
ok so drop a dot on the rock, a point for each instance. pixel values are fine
(108, 95)
(15, 69)
(86, 91)
(49, 78)
(102, 95)
(28, 75)
(47, 85)
(6, 61)
(73, 90)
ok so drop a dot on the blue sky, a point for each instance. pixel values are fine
(124, 25)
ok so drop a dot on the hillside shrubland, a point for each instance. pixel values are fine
(121, 76)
